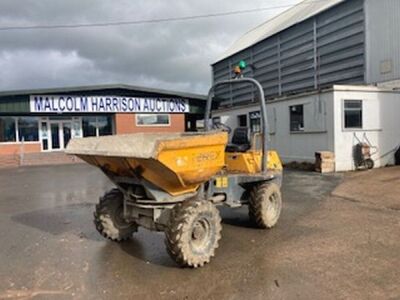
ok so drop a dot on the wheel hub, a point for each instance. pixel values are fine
(119, 218)
(200, 234)
(272, 206)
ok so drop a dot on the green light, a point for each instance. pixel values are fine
(242, 65)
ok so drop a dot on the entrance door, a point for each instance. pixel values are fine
(55, 136)
(60, 134)
(67, 133)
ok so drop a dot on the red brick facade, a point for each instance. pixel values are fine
(126, 123)
(29, 153)
(17, 148)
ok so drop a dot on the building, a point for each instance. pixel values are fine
(330, 72)
(36, 125)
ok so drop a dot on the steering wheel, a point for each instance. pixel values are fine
(222, 127)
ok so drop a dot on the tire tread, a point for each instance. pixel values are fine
(106, 207)
(257, 196)
(177, 246)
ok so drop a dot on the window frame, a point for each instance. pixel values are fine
(17, 136)
(17, 129)
(245, 117)
(97, 128)
(255, 120)
(302, 129)
(153, 125)
(344, 128)
(109, 118)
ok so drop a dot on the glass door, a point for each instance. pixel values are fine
(55, 136)
(66, 133)
(44, 135)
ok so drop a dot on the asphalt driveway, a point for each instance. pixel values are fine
(329, 244)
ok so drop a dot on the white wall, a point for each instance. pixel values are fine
(382, 40)
(294, 146)
(381, 126)
(324, 125)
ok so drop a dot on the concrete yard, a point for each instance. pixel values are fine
(338, 238)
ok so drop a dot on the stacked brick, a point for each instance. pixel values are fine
(324, 162)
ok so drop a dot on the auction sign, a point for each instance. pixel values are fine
(106, 104)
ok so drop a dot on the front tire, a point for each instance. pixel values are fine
(193, 233)
(108, 217)
(265, 205)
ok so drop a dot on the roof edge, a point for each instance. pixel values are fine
(102, 87)
(227, 55)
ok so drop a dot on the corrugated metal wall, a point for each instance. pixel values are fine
(324, 50)
(383, 40)
(14, 104)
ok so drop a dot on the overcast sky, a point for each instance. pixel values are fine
(175, 55)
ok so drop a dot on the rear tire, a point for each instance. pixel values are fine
(265, 205)
(108, 217)
(369, 163)
(193, 233)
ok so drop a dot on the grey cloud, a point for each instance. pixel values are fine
(175, 55)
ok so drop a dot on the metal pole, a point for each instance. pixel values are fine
(265, 131)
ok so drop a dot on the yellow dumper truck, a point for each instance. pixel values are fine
(173, 182)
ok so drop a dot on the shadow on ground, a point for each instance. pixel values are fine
(60, 220)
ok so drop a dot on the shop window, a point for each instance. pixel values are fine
(28, 129)
(7, 129)
(152, 119)
(104, 124)
(242, 120)
(96, 126)
(76, 128)
(255, 121)
(89, 126)
(296, 118)
(353, 114)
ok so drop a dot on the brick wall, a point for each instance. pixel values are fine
(17, 148)
(9, 161)
(126, 123)
(37, 159)
(10, 156)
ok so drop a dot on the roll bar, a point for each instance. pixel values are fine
(263, 108)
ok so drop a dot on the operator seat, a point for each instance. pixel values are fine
(240, 140)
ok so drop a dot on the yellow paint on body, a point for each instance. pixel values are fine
(179, 166)
(193, 161)
(250, 162)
